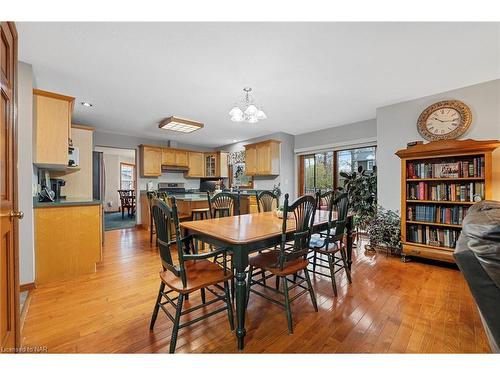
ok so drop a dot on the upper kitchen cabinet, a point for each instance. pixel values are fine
(263, 158)
(196, 167)
(216, 164)
(173, 157)
(150, 160)
(52, 128)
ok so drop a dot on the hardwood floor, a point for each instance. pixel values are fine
(391, 307)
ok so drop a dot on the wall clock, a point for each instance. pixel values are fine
(448, 119)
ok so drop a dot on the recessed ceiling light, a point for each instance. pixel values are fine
(235, 140)
(86, 104)
(181, 125)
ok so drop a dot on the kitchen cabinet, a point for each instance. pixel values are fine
(168, 156)
(150, 160)
(196, 164)
(52, 128)
(263, 158)
(216, 164)
(173, 157)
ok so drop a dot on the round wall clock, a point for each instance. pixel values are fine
(448, 119)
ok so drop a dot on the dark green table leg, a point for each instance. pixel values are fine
(240, 255)
(349, 241)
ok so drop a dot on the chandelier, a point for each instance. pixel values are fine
(246, 110)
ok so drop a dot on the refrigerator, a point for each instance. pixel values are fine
(98, 182)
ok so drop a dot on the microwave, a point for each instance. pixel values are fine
(73, 157)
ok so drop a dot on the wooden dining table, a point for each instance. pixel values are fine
(245, 234)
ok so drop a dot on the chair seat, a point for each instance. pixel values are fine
(318, 244)
(199, 274)
(268, 261)
(200, 209)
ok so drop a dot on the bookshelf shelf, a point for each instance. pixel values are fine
(439, 202)
(445, 179)
(439, 180)
(433, 224)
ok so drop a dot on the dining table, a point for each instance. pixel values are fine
(243, 235)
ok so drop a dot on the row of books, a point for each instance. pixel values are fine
(462, 192)
(436, 214)
(464, 168)
(424, 234)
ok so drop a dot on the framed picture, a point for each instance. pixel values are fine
(238, 176)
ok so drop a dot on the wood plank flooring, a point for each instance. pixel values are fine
(391, 307)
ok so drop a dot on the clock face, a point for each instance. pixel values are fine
(443, 121)
(448, 119)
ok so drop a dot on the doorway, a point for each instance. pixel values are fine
(120, 187)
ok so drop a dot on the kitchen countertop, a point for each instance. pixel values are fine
(66, 202)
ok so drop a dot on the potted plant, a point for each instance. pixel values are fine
(384, 231)
(361, 187)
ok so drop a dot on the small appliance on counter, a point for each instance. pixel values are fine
(46, 193)
(211, 185)
(56, 184)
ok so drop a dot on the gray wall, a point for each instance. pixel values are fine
(396, 125)
(130, 142)
(357, 132)
(287, 166)
(25, 172)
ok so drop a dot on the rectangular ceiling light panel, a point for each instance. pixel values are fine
(181, 125)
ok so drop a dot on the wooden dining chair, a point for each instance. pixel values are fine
(127, 201)
(192, 272)
(332, 244)
(290, 259)
(224, 204)
(150, 195)
(325, 199)
(267, 201)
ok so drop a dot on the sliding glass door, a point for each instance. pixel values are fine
(321, 171)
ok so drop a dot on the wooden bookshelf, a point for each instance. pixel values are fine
(422, 176)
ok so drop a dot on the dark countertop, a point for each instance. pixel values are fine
(66, 202)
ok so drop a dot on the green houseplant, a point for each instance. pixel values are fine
(384, 231)
(361, 187)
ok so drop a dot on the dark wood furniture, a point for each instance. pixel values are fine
(246, 234)
(332, 242)
(127, 201)
(192, 273)
(289, 259)
(267, 201)
(224, 204)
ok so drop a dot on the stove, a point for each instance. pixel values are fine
(171, 187)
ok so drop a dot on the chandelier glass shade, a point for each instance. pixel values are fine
(246, 110)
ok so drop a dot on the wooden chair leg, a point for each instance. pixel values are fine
(277, 283)
(157, 307)
(123, 213)
(332, 273)
(229, 305)
(314, 261)
(233, 288)
(263, 273)
(287, 306)
(311, 290)
(175, 329)
(249, 283)
(346, 268)
(203, 297)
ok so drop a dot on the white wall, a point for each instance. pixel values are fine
(25, 172)
(396, 126)
(349, 134)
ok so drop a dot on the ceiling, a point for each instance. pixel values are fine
(306, 76)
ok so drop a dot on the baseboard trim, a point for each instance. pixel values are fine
(28, 286)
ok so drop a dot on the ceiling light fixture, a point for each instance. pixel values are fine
(246, 110)
(180, 125)
(86, 104)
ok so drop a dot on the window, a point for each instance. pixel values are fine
(127, 176)
(318, 172)
(349, 161)
(321, 171)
